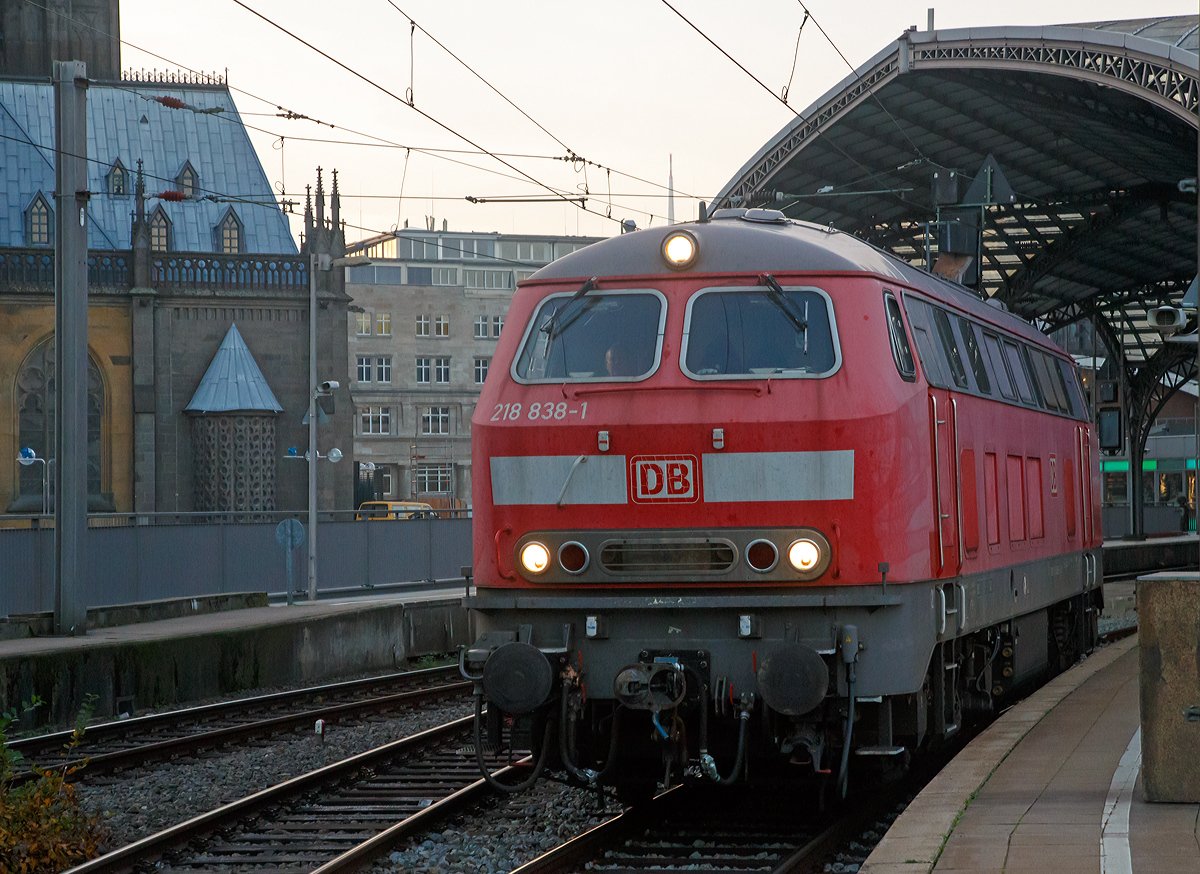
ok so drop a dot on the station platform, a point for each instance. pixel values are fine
(1052, 785)
(134, 666)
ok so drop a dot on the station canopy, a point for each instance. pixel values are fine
(1081, 141)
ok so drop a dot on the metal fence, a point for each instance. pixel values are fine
(145, 562)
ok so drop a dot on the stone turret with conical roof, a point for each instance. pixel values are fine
(233, 432)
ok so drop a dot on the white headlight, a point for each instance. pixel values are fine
(679, 250)
(535, 557)
(804, 555)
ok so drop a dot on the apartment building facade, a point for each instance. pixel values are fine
(423, 327)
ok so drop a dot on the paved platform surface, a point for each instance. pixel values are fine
(218, 623)
(1051, 786)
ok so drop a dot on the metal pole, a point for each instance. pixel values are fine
(312, 427)
(70, 344)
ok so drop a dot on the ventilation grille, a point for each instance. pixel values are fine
(668, 557)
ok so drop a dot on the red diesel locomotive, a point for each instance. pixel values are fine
(750, 489)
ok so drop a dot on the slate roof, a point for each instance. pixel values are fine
(233, 381)
(216, 145)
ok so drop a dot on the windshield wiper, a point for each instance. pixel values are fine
(550, 329)
(786, 305)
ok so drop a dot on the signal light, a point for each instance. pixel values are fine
(762, 555)
(535, 558)
(573, 557)
(804, 555)
(679, 250)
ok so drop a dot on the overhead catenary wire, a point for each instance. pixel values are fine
(283, 112)
(397, 98)
(766, 88)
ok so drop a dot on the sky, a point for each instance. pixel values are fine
(627, 85)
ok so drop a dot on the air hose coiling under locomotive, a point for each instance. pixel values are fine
(707, 764)
(566, 735)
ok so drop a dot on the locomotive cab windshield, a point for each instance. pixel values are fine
(755, 332)
(603, 336)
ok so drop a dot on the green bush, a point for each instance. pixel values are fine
(42, 828)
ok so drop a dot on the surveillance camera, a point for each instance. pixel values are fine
(1166, 320)
(329, 386)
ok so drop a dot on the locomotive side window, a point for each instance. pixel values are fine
(901, 352)
(974, 355)
(594, 337)
(918, 319)
(1012, 352)
(1070, 386)
(1028, 356)
(992, 343)
(949, 345)
(748, 332)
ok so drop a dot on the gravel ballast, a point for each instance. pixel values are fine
(138, 802)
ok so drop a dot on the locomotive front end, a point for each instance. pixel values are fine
(671, 529)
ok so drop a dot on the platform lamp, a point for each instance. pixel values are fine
(28, 457)
(325, 264)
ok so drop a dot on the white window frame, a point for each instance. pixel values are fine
(441, 371)
(481, 327)
(441, 327)
(423, 370)
(481, 370)
(375, 421)
(497, 326)
(438, 417)
(383, 369)
(423, 325)
(383, 324)
(364, 324)
(364, 367)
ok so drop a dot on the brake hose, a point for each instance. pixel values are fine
(483, 769)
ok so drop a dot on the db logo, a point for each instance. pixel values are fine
(662, 478)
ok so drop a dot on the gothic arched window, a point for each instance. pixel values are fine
(35, 425)
(188, 180)
(39, 222)
(229, 234)
(118, 179)
(160, 231)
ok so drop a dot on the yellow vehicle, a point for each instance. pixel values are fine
(394, 510)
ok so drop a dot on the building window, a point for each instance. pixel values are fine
(364, 369)
(487, 278)
(376, 420)
(442, 370)
(364, 324)
(445, 276)
(441, 327)
(385, 479)
(481, 369)
(118, 180)
(160, 231)
(422, 326)
(497, 325)
(422, 371)
(383, 324)
(478, 248)
(229, 234)
(188, 181)
(435, 420)
(533, 251)
(434, 479)
(522, 275)
(481, 327)
(40, 220)
(383, 369)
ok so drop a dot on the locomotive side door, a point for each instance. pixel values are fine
(942, 376)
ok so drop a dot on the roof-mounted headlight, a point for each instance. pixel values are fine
(679, 250)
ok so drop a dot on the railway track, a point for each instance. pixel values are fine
(331, 820)
(702, 828)
(112, 746)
